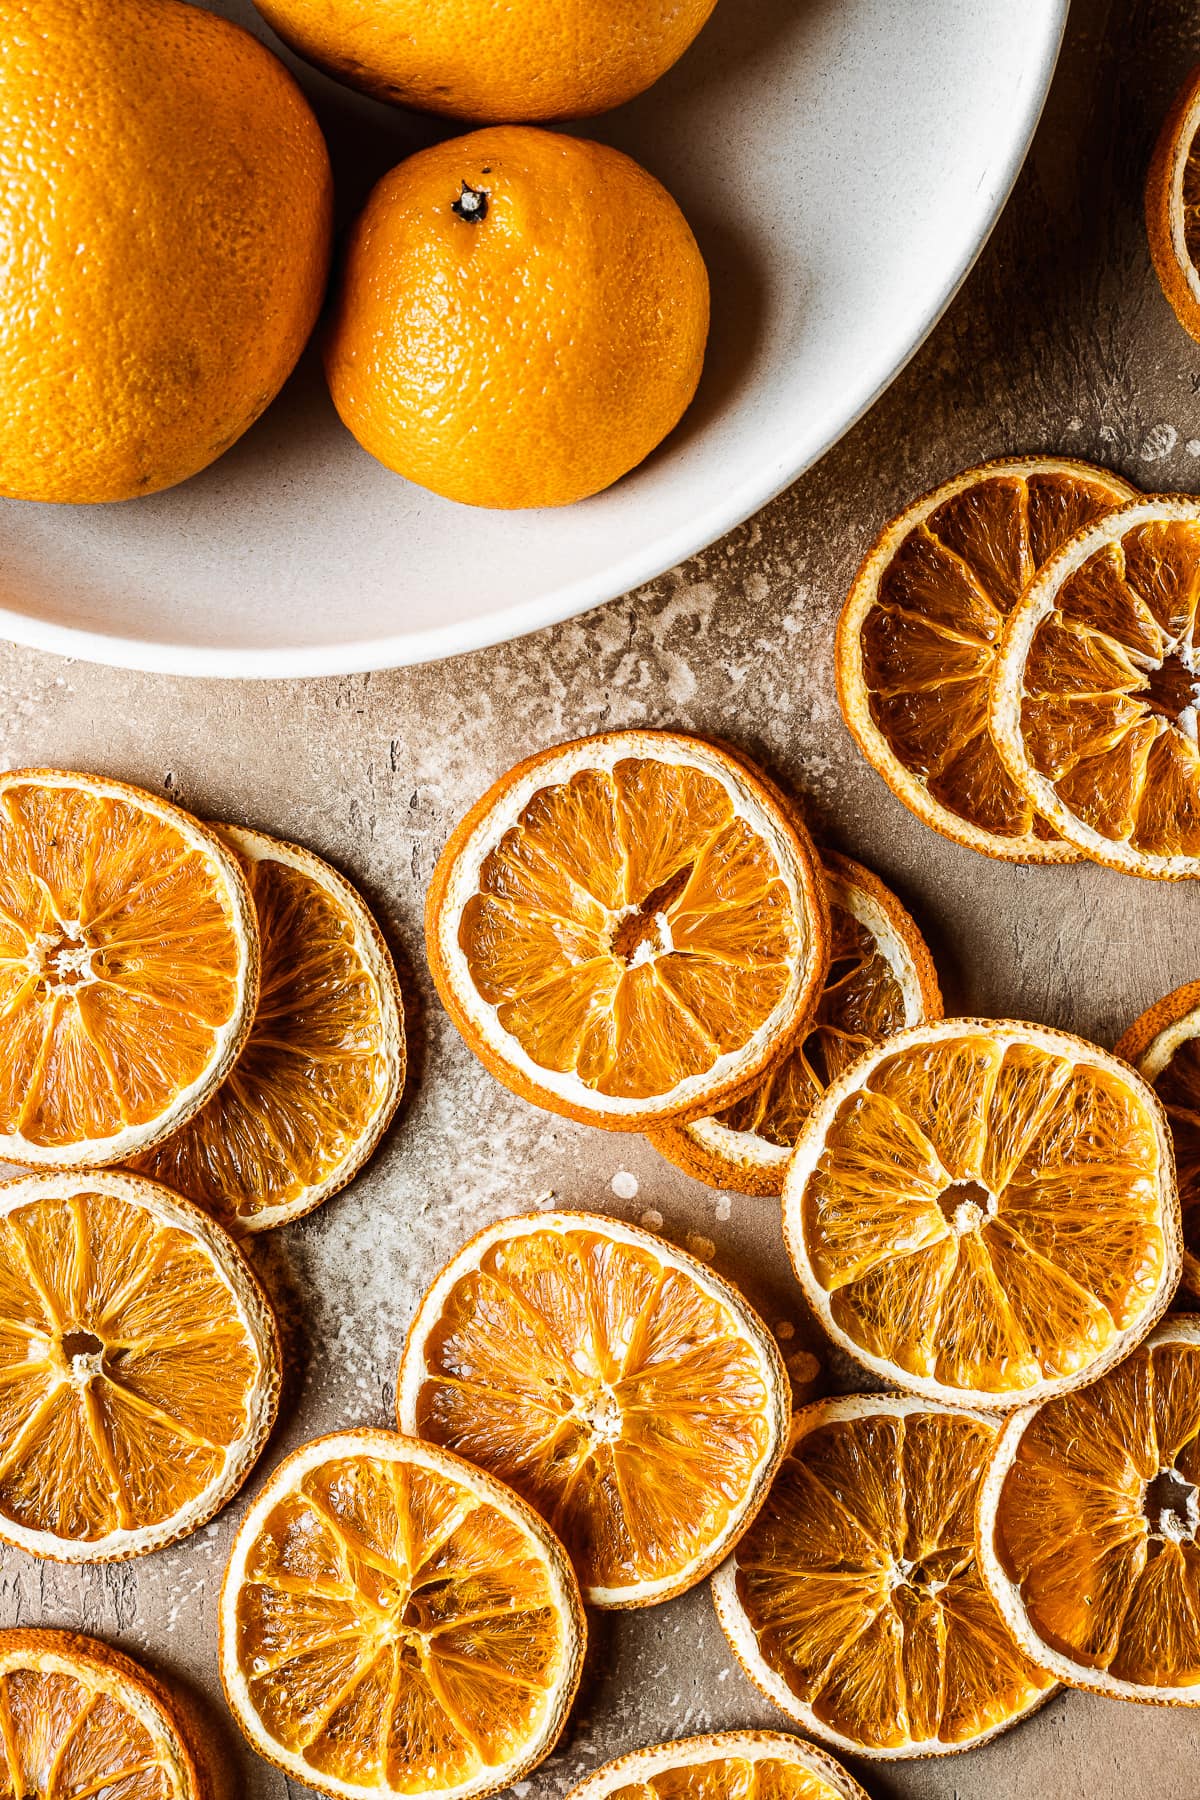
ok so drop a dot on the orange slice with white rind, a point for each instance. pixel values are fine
(1173, 205)
(918, 636)
(881, 978)
(984, 1210)
(79, 1721)
(1088, 1521)
(1096, 687)
(320, 1074)
(393, 1622)
(128, 967)
(1164, 1047)
(855, 1601)
(139, 1366)
(626, 1391)
(628, 928)
(722, 1765)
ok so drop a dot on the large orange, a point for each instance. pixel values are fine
(165, 224)
(542, 59)
(522, 318)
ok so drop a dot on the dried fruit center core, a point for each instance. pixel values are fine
(600, 1413)
(643, 932)
(967, 1205)
(1172, 1507)
(62, 959)
(1173, 690)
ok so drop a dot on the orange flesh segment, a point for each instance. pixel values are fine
(1096, 1520)
(930, 640)
(862, 1002)
(859, 1581)
(984, 1213)
(1110, 690)
(1191, 204)
(118, 964)
(151, 1429)
(312, 1073)
(393, 1627)
(60, 1739)
(631, 928)
(730, 1778)
(614, 1393)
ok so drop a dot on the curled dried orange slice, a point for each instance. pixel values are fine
(722, 1765)
(855, 1600)
(79, 1721)
(918, 635)
(395, 1623)
(628, 928)
(322, 1070)
(1096, 687)
(1173, 205)
(139, 1366)
(1164, 1047)
(1088, 1523)
(881, 978)
(626, 1391)
(985, 1210)
(128, 967)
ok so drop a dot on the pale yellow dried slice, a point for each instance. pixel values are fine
(855, 1600)
(625, 1390)
(722, 1765)
(985, 1210)
(393, 1622)
(1088, 1522)
(128, 967)
(322, 1070)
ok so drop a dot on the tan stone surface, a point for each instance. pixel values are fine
(1060, 341)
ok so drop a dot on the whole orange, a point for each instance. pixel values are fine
(165, 229)
(474, 59)
(522, 318)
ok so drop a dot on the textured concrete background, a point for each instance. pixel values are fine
(1060, 341)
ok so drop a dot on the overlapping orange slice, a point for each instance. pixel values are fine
(1173, 205)
(1164, 1047)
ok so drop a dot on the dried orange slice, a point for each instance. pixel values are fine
(1164, 1047)
(79, 1721)
(918, 635)
(322, 1070)
(1096, 685)
(631, 1395)
(1173, 205)
(881, 978)
(855, 1600)
(628, 928)
(1088, 1521)
(722, 1765)
(394, 1622)
(128, 967)
(139, 1366)
(985, 1210)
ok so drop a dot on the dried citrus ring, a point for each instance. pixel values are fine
(1095, 689)
(394, 1622)
(139, 1366)
(918, 636)
(985, 1210)
(79, 1721)
(1088, 1519)
(628, 928)
(631, 1395)
(881, 978)
(855, 1600)
(1173, 205)
(1164, 1047)
(322, 1071)
(128, 967)
(722, 1765)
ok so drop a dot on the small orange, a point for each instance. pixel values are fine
(542, 59)
(522, 319)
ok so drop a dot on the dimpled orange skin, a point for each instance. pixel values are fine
(488, 60)
(165, 224)
(529, 356)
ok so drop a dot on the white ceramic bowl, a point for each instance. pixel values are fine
(841, 161)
